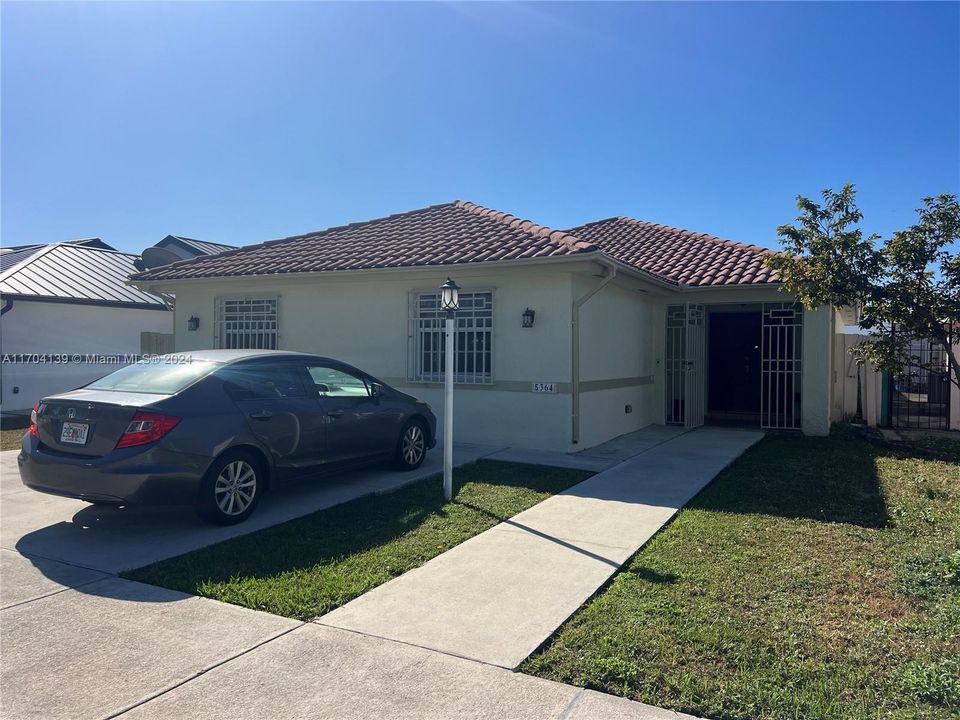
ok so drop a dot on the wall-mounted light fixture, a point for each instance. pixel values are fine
(193, 323)
(528, 317)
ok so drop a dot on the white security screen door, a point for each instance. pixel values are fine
(684, 361)
(675, 344)
(780, 378)
(696, 357)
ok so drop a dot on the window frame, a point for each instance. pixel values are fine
(416, 371)
(220, 322)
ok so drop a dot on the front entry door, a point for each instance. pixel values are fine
(734, 366)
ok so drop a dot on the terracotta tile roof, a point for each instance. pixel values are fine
(462, 232)
(457, 232)
(678, 256)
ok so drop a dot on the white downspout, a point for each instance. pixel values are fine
(575, 347)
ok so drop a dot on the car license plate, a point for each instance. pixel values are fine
(74, 433)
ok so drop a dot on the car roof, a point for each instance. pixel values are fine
(232, 356)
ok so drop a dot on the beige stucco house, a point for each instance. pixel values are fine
(634, 323)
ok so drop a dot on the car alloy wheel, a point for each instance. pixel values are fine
(413, 445)
(235, 487)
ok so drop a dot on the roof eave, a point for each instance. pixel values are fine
(145, 284)
(131, 305)
(774, 284)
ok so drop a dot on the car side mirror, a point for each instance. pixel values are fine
(376, 390)
(322, 389)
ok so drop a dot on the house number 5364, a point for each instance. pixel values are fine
(542, 387)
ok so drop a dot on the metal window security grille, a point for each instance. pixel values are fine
(780, 366)
(473, 338)
(684, 358)
(247, 323)
(919, 396)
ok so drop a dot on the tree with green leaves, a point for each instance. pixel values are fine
(904, 289)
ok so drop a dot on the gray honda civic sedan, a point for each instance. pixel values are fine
(214, 428)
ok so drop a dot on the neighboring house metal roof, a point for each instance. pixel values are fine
(10, 256)
(14, 256)
(462, 232)
(456, 232)
(87, 242)
(201, 247)
(678, 256)
(67, 272)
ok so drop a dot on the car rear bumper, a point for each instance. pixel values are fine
(148, 475)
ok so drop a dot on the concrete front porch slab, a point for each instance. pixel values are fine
(626, 446)
(498, 596)
(99, 649)
(553, 458)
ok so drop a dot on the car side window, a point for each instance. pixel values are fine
(333, 382)
(262, 381)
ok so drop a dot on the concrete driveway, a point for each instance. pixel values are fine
(116, 539)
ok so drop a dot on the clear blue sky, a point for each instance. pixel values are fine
(243, 122)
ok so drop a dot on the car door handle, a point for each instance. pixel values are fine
(335, 414)
(261, 415)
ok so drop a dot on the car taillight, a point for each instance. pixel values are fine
(33, 419)
(146, 428)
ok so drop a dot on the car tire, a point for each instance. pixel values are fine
(231, 488)
(411, 446)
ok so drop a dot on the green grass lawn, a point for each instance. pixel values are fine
(815, 578)
(938, 443)
(309, 566)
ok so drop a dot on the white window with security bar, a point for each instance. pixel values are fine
(247, 323)
(473, 333)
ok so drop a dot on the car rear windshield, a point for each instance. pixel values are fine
(160, 377)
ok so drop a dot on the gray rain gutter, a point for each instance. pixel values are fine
(575, 347)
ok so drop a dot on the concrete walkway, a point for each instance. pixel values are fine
(498, 596)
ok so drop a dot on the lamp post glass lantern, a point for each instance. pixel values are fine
(450, 302)
(450, 296)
